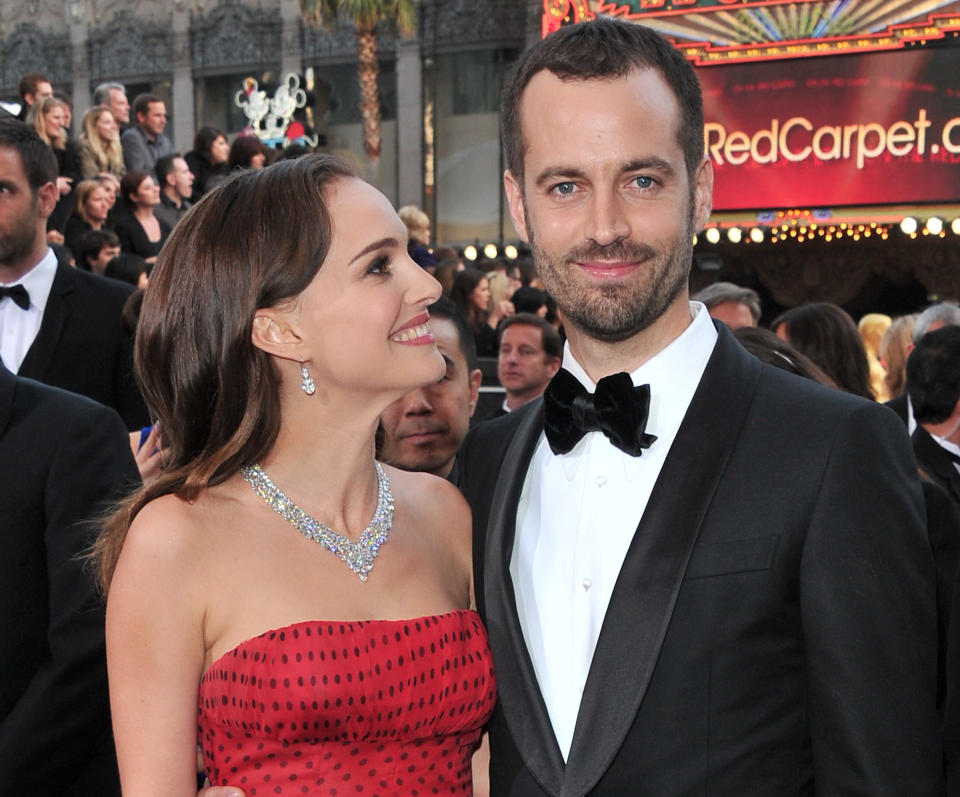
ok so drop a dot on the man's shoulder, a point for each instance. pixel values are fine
(38, 406)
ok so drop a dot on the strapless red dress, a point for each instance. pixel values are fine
(379, 707)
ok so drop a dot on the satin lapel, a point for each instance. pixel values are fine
(646, 591)
(55, 314)
(517, 685)
(8, 385)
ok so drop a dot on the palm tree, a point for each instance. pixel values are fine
(365, 14)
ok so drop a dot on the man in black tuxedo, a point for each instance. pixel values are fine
(61, 457)
(58, 325)
(933, 384)
(741, 600)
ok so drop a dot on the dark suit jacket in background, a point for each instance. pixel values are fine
(936, 463)
(82, 345)
(61, 456)
(773, 628)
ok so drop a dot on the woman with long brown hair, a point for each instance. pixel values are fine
(304, 605)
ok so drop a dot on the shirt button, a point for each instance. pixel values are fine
(586, 584)
(601, 480)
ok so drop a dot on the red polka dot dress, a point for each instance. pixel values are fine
(381, 707)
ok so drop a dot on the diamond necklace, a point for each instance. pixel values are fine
(358, 555)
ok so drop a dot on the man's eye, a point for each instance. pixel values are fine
(564, 188)
(644, 181)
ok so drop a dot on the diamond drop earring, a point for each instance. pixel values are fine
(306, 381)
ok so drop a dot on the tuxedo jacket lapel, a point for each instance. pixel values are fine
(55, 315)
(519, 691)
(935, 459)
(642, 603)
(7, 387)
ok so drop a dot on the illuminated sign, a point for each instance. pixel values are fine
(851, 130)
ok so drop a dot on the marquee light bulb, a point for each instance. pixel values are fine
(908, 226)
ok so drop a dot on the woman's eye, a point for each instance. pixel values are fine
(380, 266)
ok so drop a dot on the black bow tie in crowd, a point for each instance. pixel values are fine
(18, 293)
(617, 408)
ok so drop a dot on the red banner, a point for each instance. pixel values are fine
(879, 128)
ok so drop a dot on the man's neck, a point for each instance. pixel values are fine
(948, 430)
(150, 136)
(14, 270)
(516, 400)
(174, 198)
(602, 358)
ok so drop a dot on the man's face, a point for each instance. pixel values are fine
(43, 91)
(423, 429)
(606, 202)
(181, 179)
(22, 215)
(155, 118)
(733, 314)
(120, 106)
(105, 255)
(523, 367)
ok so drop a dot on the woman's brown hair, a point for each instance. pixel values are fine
(255, 241)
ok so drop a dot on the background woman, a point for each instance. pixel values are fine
(207, 160)
(140, 231)
(90, 209)
(247, 152)
(48, 117)
(100, 150)
(471, 293)
(827, 335)
(268, 358)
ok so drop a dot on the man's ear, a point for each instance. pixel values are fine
(702, 194)
(47, 195)
(476, 376)
(554, 365)
(273, 334)
(518, 211)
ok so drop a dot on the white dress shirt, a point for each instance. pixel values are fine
(576, 517)
(19, 328)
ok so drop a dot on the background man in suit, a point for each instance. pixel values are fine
(741, 600)
(529, 356)
(933, 384)
(61, 457)
(423, 429)
(58, 325)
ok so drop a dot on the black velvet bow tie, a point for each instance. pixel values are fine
(18, 293)
(618, 409)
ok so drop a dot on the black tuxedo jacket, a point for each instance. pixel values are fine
(936, 463)
(61, 455)
(82, 345)
(772, 631)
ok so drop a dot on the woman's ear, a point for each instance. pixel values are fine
(273, 334)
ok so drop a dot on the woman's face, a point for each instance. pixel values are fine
(107, 127)
(97, 205)
(220, 150)
(481, 295)
(363, 319)
(257, 161)
(148, 193)
(111, 188)
(54, 121)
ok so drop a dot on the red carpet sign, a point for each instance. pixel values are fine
(879, 128)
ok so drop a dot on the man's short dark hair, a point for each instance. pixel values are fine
(101, 94)
(444, 307)
(603, 48)
(29, 82)
(142, 103)
(164, 167)
(933, 375)
(39, 162)
(721, 292)
(552, 344)
(92, 242)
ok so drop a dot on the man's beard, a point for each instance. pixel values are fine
(616, 310)
(20, 238)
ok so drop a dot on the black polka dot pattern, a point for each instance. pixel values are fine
(375, 708)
